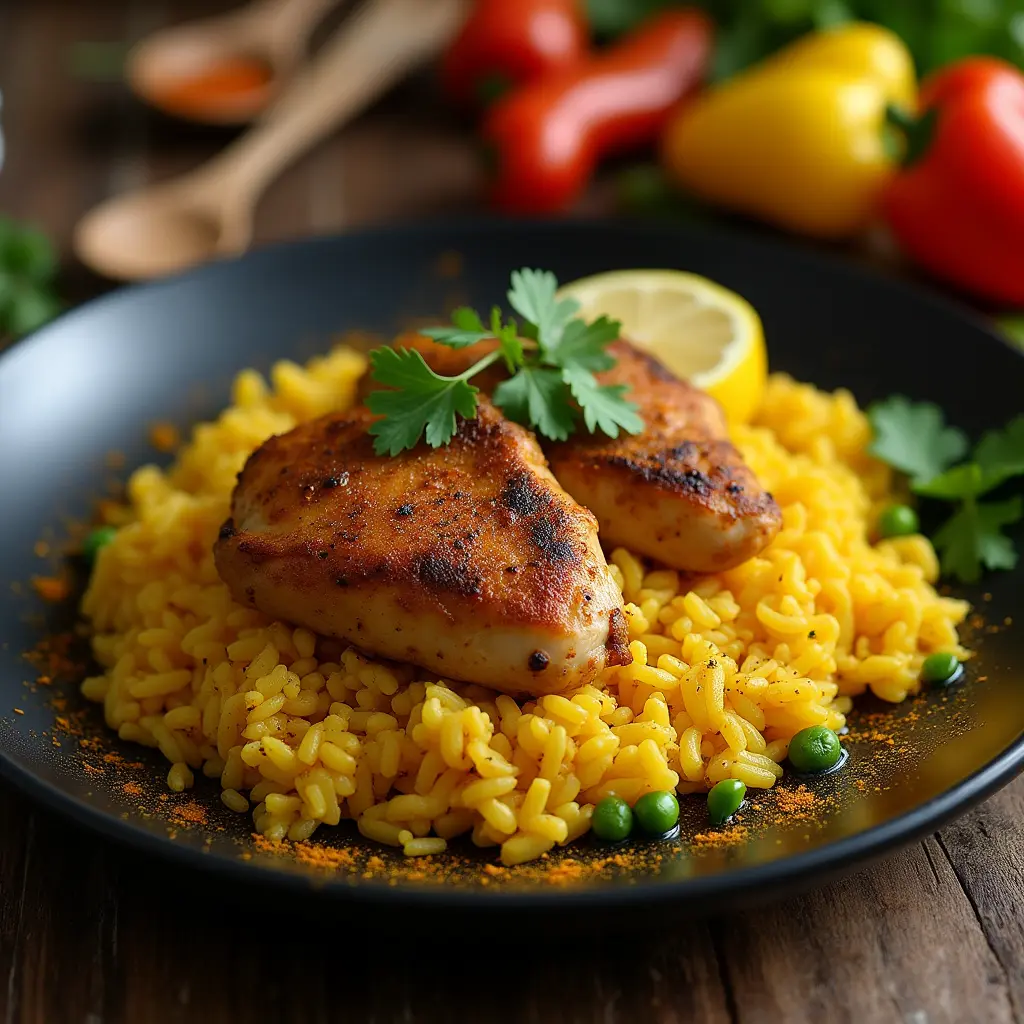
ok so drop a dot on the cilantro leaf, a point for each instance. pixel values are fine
(467, 319)
(27, 252)
(998, 457)
(30, 308)
(913, 437)
(539, 398)
(28, 265)
(972, 539)
(1002, 451)
(967, 480)
(532, 296)
(422, 401)
(455, 338)
(468, 329)
(584, 345)
(508, 338)
(604, 406)
(551, 372)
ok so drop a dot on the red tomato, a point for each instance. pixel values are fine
(506, 43)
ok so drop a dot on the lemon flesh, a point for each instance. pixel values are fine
(701, 331)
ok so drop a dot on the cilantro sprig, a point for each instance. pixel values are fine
(551, 356)
(914, 438)
(28, 267)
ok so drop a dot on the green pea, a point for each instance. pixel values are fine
(898, 521)
(99, 538)
(940, 669)
(724, 800)
(612, 819)
(815, 749)
(657, 813)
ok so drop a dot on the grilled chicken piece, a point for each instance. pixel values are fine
(679, 492)
(468, 560)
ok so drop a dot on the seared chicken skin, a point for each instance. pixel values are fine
(679, 492)
(469, 560)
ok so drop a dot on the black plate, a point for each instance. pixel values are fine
(91, 383)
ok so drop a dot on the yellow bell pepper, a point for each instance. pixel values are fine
(799, 140)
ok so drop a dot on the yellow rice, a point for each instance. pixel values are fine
(307, 733)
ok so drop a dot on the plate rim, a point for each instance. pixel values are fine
(809, 866)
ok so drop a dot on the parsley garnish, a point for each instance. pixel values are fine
(27, 270)
(551, 383)
(914, 438)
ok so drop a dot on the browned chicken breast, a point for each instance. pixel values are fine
(468, 560)
(679, 492)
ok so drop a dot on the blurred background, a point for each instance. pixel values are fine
(142, 137)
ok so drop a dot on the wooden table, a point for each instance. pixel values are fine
(933, 934)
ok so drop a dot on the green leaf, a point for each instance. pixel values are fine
(972, 539)
(453, 337)
(422, 401)
(604, 406)
(964, 481)
(1002, 451)
(29, 309)
(26, 252)
(584, 344)
(538, 398)
(468, 329)
(532, 295)
(508, 337)
(913, 437)
(998, 457)
(467, 319)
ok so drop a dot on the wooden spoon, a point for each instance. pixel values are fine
(208, 212)
(274, 33)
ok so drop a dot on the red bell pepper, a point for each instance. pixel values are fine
(957, 206)
(546, 139)
(505, 43)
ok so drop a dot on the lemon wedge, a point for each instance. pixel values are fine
(701, 331)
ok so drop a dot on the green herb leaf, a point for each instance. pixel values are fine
(532, 295)
(1002, 451)
(537, 398)
(584, 345)
(27, 268)
(604, 406)
(27, 254)
(422, 401)
(30, 308)
(508, 337)
(998, 457)
(968, 480)
(972, 539)
(551, 374)
(913, 437)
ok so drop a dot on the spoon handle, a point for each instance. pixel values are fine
(383, 40)
(289, 24)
